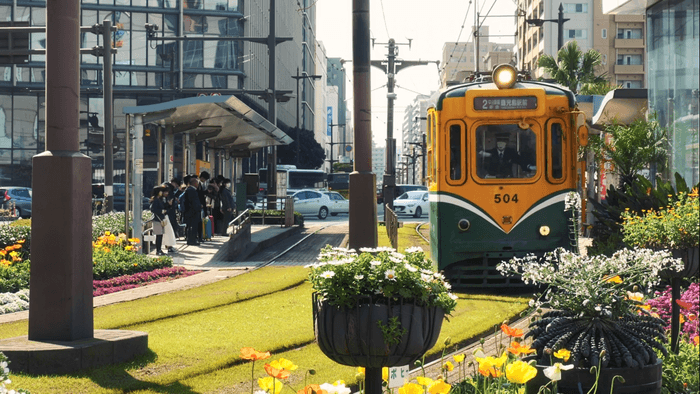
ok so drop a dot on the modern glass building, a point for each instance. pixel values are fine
(674, 65)
(148, 71)
(673, 39)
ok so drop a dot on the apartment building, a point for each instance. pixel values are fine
(620, 39)
(458, 57)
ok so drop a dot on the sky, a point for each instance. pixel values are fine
(428, 23)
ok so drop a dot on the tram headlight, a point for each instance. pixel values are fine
(544, 231)
(463, 225)
(504, 76)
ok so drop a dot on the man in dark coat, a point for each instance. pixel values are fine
(193, 211)
(202, 195)
(226, 199)
(500, 160)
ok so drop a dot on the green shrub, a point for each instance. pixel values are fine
(15, 277)
(120, 262)
(680, 371)
(113, 222)
(634, 197)
(22, 222)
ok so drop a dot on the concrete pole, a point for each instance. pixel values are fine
(169, 153)
(363, 203)
(138, 178)
(272, 110)
(159, 154)
(61, 277)
(109, 117)
(390, 170)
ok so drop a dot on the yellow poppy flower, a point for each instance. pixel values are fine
(270, 385)
(562, 354)
(448, 366)
(520, 372)
(459, 358)
(411, 388)
(439, 387)
(423, 381)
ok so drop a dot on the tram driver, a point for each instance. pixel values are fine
(503, 161)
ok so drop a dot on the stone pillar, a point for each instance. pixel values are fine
(61, 254)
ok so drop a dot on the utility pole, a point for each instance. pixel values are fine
(298, 77)
(391, 67)
(333, 143)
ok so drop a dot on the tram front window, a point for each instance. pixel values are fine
(505, 151)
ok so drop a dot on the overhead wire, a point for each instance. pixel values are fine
(381, 2)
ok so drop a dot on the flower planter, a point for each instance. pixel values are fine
(690, 263)
(352, 336)
(644, 380)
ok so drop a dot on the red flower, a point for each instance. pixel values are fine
(684, 304)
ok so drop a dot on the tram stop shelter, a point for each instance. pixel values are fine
(226, 122)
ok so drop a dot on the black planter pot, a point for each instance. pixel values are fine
(644, 380)
(691, 261)
(352, 336)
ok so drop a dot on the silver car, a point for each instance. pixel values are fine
(21, 197)
(312, 202)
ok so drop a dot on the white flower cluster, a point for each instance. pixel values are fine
(595, 285)
(572, 201)
(14, 302)
(5, 377)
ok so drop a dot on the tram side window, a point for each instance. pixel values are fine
(556, 151)
(505, 151)
(455, 152)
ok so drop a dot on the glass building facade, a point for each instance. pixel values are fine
(152, 71)
(674, 64)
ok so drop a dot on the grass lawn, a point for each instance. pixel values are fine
(195, 336)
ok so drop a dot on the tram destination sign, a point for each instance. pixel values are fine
(504, 103)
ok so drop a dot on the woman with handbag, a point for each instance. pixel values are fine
(159, 212)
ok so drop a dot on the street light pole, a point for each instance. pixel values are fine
(559, 21)
(298, 77)
(333, 143)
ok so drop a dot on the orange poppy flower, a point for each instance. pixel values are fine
(276, 373)
(312, 389)
(614, 279)
(684, 304)
(248, 353)
(516, 348)
(692, 317)
(511, 332)
(696, 340)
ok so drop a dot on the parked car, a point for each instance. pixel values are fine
(312, 202)
(22, 198)
(339, 203)
(399, 190)
(119, 190)
(412, 203)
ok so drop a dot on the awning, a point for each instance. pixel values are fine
(622, 105)
(224, 121)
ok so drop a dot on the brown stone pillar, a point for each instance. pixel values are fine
(61, 277)
(363, 198)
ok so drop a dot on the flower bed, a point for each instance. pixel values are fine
(102, 287)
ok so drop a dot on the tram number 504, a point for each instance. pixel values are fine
(505, 198)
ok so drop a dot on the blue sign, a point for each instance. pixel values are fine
(329, 117)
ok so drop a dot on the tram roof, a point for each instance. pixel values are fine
(550, 89)
(225, 121)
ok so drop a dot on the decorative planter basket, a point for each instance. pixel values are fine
(644, 380)
(352, 336)
(690, 263)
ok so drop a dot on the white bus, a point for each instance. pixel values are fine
(294, 179)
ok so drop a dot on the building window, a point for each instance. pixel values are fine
(604, 33)
(576, 33)
(576, 8)
(631, 84)
(629, 34)
(629, 60)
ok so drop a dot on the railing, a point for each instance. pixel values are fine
(238, 223)
(392, 227)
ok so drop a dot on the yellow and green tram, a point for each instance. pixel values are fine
(502, 156)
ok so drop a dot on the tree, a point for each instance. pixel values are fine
(573, 67)
(631, 148)
(311, 153)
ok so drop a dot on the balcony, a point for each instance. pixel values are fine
(629, 43)
(629, 69)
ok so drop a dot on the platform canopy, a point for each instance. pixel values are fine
(224, 121)
(621, 105)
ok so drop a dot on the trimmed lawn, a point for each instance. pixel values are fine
(195, 336)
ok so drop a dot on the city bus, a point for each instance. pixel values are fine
(296, 179)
